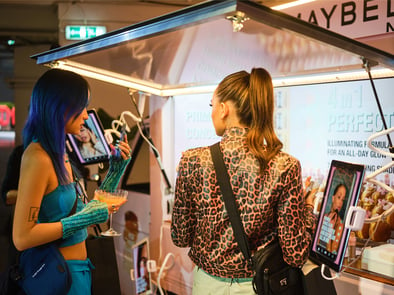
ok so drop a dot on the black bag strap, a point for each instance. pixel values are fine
(80, 190)
(74, 208)
(229, 200)
(16, 274)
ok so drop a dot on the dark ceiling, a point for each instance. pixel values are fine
(34, 22)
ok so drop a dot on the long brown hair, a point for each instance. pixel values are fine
(253, 97)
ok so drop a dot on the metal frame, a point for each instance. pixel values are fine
(210, 10)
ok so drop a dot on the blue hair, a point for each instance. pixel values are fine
(57, 97)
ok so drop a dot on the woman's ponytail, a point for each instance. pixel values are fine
(253, 97)
(262, 133)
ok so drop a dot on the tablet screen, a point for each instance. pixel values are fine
(141, 275)
(342, 190)
(90, 145)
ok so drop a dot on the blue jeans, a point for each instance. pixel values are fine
(81, 276)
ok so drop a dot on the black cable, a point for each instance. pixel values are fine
(368, 69)
(147, 135)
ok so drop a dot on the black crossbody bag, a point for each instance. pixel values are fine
(42, 270)
(272, 275)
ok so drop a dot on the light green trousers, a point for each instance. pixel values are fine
(205, 284)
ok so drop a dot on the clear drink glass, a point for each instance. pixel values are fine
(114, 198)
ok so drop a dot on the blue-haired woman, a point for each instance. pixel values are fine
(46, 192)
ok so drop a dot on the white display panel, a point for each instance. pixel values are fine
(316, 123)
(334, 121)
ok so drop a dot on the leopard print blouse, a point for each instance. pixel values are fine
(271, 205)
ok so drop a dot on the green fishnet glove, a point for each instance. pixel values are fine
(94, 212)
(117, 166)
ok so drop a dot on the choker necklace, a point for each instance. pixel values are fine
(66, 159)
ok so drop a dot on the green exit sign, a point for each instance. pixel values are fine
(84, 32)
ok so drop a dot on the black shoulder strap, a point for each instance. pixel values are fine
(229, 200)
(80, 191)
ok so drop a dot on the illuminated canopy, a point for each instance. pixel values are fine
(221, 37)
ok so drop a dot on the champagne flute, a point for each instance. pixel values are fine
(111, 198)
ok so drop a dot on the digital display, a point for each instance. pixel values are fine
(89, 146)
(342, 191)
(141, 273)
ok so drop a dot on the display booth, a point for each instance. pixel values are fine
(332, 94)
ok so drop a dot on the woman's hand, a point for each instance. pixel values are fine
(115, 208)
(311, 194)
(307, 182)
(111, 208)
(123, 148)
(310, 198)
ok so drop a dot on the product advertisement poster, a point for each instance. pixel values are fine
(316, 123)
(334, 121)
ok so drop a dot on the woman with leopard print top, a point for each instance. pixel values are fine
(266, 182)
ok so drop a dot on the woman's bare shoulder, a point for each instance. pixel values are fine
(36, 155)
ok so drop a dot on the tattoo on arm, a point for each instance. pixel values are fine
(33, 215)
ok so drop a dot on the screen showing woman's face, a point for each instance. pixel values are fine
(339, 198)
(84, 134)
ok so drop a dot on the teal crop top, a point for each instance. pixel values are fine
(57, 205)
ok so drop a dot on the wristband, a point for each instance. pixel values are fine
(94, 212)
(117, 166)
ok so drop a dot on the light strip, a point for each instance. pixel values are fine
(195, 89)
(291, 4)
(353, 75)
(130, 82)
(159, 90)
(108, 76)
